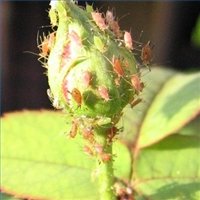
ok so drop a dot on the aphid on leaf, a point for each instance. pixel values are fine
(99, 20)
(135, 102)
(87, 77)
(88, 150)
(146, 54)
(128, 40)
(76, 94)
(103, 92)
(117, 67)
(74, 129)
(136, 83)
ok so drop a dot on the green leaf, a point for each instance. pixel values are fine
(169, 170)
(175, 105)
(193, 128)
(39, 161)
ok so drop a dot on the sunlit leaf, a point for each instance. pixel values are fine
(169, 170)
(176, 104)
(39, 161)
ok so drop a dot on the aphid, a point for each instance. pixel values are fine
(105, 157)
(87, 77)
(123, 192)
(103, 92)
(109, 16)
(88, 134)
(128, 40)
(99, 20)
(114, 26)
(76, 94)
(98, 148)
(46, 45)
(117, 67)
(88, 150)
(74, 128)
(112, 23)
(146, 54)
(111, 134)
(100, 45)
(135, 102)
(136, 83)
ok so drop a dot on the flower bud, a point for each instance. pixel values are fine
(90, 68)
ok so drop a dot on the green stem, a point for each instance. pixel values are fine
(105, 172)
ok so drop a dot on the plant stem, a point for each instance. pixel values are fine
(105, 172)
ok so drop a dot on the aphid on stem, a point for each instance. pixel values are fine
(88, 134)
(105, 157)
(98, 149)
(111, 134)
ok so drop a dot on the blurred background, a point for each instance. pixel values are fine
(168, 25)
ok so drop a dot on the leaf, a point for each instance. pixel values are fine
(38, 161)
(170, 101)
(169, 170)
(176, 104)
(193, 128)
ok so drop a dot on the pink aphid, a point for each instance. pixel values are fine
(109, 17)
(105, 157)
(73, 47)
(103, 92)
(88, 150)
(128, 40)
(98, 148)
(136, 83)
(99, 20)
(87, 77)
(117, 67)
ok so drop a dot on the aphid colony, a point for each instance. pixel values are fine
(93, 148)
(94, 75)
(109, 22)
